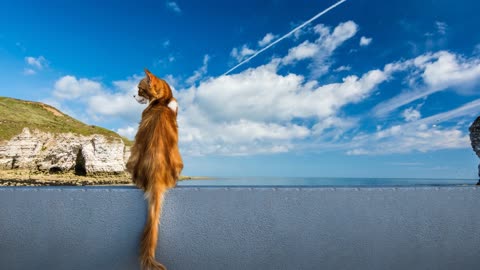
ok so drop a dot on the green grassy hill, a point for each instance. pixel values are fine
(16, 114)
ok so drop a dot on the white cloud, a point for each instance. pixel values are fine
(166, 43)
(99, 102)
(173, 6)
(267, 39)
(171, 80)
(29, 71)
(436, 72)
(114, 105)
(331, 40)
(251, 112)
(300, 52)
(69, 87)
(34, 64)
(319, 51)
(38, 62)
(441, 27)
(364, 41)
(333, 127)
(357, 152)
(342, 68)
(421, 134)
(410, 138)
(129, 85)
(199, 73)
(241, 54)
(128, 132)
(238, 137)
(449, 70)
(411, 114)
(328, 42)
(117, 103)
(262, 94)
(244, 131)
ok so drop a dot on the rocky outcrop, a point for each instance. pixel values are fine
(475, 139)
(47, 152)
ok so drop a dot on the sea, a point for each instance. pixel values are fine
(324, 182)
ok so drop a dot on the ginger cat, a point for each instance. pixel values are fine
(155, 162)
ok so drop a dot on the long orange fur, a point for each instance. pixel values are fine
(155, 162)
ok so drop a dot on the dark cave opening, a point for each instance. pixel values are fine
(55, 169)
(80, 164)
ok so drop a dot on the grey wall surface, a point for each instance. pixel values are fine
(244, 228)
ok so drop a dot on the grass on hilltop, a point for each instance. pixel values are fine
(17, 114)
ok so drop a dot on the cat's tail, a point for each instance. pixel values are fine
(150, 233)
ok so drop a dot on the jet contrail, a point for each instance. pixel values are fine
(285, 36)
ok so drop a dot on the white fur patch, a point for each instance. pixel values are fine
(173, 105)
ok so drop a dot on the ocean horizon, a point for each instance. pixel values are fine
(325, 181)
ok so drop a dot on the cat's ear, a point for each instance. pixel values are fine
(149, 75)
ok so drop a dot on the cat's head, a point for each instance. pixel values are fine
(153, 88)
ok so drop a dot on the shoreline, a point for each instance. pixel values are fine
(34, 178)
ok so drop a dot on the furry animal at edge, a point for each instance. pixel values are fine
(155, 162)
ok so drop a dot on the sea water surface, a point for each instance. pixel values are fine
(325, 182)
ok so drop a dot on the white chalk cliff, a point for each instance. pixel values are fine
(63, 152)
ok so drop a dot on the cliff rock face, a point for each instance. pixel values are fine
(475, 138)
(47, 152)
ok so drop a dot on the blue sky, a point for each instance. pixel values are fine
(370, 89)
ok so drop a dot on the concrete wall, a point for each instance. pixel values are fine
(244, 228)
